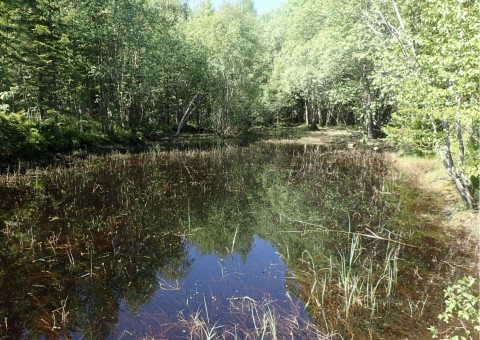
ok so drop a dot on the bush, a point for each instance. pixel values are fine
(60, 133)
(14, 134)
(461, 312)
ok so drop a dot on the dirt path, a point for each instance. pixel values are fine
(322, 136)
(430, 176)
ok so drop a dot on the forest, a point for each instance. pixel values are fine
(76, 74)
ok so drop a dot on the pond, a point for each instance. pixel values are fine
(260, 241)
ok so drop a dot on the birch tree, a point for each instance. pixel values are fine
(230, 43)
(431, 64)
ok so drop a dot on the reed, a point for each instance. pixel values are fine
(339, 288)
(248, 319)
(197, 326)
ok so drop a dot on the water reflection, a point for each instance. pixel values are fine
(159, 243)
(212, 286)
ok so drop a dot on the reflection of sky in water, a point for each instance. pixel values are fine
(211, 282)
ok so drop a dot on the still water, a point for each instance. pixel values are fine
(266, 241)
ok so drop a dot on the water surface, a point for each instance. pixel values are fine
(236, 241)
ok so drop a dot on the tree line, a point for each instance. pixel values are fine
(78, 73)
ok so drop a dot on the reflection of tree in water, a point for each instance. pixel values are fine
(100, 234)
(304, 192)
(80, 242)
(104, 231)
(222, 206)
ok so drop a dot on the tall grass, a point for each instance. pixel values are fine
(341, 289)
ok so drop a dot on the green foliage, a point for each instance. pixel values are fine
(63, 133)
(21, 137)
(129, 65)
(14, 132)
(322, 68)
(229, 41)
(418, 139)
(461, 311)
(428, 64)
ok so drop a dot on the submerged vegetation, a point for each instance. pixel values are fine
(92, 247)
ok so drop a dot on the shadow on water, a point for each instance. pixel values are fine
(239, 241)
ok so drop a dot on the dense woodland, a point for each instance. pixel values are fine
(74, 74)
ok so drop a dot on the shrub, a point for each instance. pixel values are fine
(461, 312)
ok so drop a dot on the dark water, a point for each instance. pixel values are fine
(253, 241)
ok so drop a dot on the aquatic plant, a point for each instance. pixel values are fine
(101, 236)
(251, 319)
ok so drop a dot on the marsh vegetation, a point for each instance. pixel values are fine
(259, 241)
